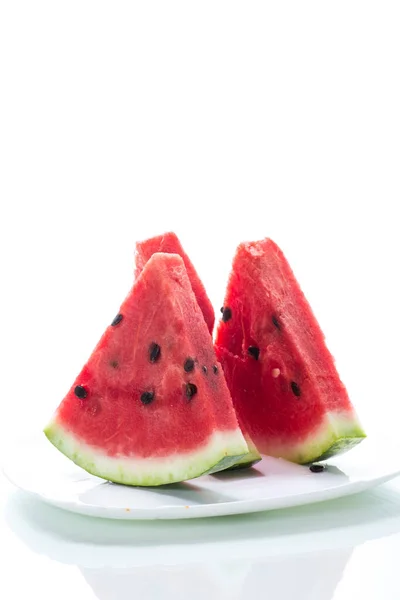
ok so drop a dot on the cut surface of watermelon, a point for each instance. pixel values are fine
(151, 405)
(169, 243)
(281, 375)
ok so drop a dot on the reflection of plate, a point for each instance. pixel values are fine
(218, 559)
(304, 577)
(301, 552)
(93, 543)
(36, 467)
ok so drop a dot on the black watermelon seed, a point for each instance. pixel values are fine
(254, 351)
(222, 309)
(114, 364)
(226, 314)
(190, 390)
(188, 365)
(295, 388)
(117, 320)
(215, 369)
(317, 468)
(80, 392)
(204, 369)
(276, 322)
(154, 352)
(147, 397)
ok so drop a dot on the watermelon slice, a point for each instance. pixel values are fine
(283, 380)
(169, 243)
(151, 405)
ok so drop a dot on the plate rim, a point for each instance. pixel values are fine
(206, 510)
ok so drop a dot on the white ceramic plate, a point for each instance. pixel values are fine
(35, 466)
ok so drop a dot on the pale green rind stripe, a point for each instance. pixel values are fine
(339, 433)
(339, 447)
(222, 450)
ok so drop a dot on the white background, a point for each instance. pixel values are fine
(222, 121)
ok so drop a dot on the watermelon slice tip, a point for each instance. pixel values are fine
(135, 415)
(284, 384)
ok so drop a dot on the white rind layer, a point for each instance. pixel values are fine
(223, 449)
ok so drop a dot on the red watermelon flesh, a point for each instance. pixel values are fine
(169, 243)
(151, 405)
(281, 375)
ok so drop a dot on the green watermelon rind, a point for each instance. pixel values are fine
(223, 450)
(248, 460)
(341, 446)
(337, 434)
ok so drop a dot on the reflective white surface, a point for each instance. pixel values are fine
(334, 550)
(35, 466)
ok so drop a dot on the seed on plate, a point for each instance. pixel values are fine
(317, 468)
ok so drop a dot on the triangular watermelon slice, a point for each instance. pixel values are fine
(169, 243)
(283, 380)
(151, 405)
